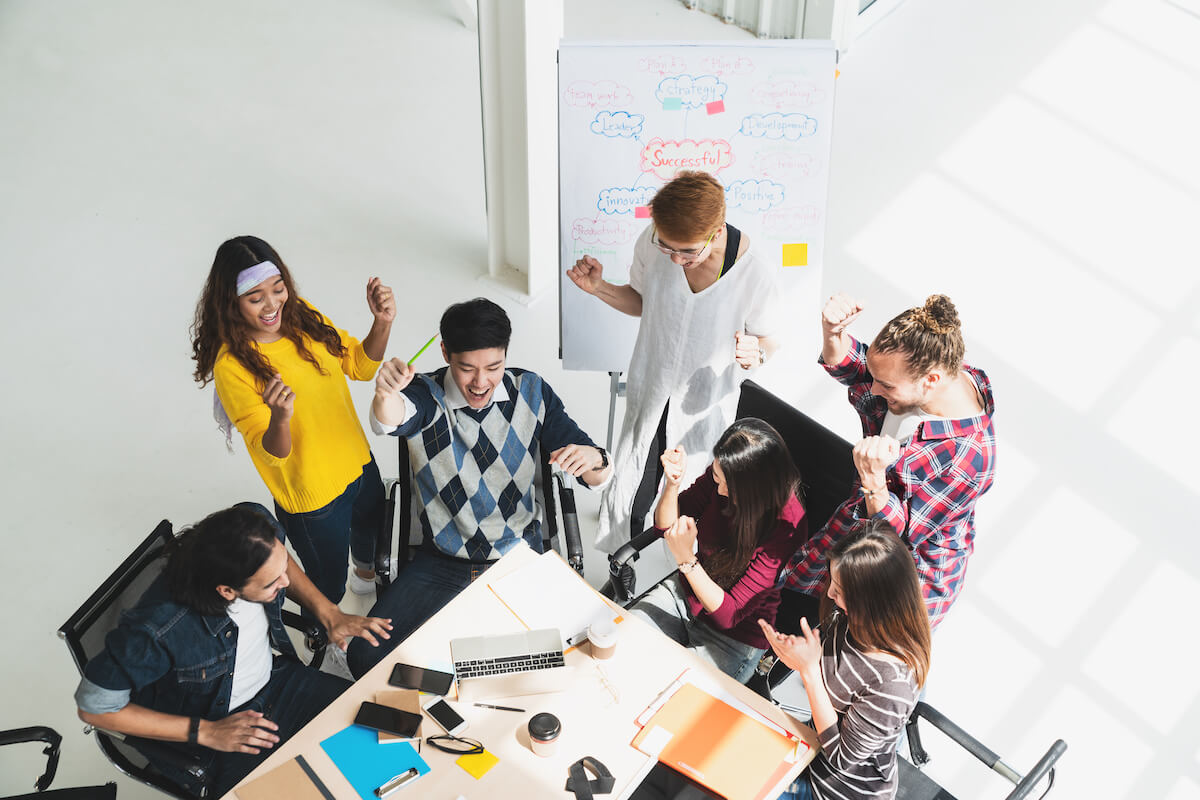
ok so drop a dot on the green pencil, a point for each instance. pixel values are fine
(422, 350)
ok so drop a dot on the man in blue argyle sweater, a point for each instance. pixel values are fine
(475, 429)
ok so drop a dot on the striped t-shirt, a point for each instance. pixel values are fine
(873, 696)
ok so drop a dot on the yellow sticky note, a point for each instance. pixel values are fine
(795, 255)
(478, 764)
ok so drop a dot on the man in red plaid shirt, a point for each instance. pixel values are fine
(929, 450)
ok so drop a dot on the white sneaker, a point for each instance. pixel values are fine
(360, 585)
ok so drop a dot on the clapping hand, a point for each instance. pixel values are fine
(798, 652)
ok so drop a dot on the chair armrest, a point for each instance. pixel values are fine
(314, 635)
(615, 587)
(571, 537)
(157, 752)
(37, 733)
(383, 540)
(1044, 765)
(961, 737)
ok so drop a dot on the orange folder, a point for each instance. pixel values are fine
(717, 745)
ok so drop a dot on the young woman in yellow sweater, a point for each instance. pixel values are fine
(280, 367)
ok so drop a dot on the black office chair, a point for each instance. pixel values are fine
(39, 733)
(400, 493)
(916, 785)
(826, 468)
(84, 634)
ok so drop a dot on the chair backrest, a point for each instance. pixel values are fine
(400, 504)
(823, 458)
(85, 630)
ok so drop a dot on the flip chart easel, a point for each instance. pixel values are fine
(757, 115)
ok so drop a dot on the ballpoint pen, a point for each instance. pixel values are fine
(499, 708)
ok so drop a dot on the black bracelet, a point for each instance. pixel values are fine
(194, 731)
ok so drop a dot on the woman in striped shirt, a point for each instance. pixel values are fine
(864, 674)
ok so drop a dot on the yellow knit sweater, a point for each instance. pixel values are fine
(328, 445)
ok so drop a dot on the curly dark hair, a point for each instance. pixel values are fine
(219, 322)
(225, 548)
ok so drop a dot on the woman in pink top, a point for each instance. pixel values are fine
(730, 532)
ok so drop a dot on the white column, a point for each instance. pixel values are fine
(831, 19)
(518, 78)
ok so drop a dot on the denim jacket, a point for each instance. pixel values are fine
(170, 658)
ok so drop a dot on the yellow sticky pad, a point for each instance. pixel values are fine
(478, 764)
(795, 255)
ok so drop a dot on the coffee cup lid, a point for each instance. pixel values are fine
(603, 633)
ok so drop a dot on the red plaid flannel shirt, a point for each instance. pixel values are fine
(933, 486)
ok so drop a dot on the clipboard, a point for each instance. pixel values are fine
(719, 746)
(367, 764)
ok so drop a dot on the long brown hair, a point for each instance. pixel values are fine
(761, 478)
(882, 595)
(219, 321)
(929, 336)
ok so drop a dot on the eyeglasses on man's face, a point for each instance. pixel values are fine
(686, 253)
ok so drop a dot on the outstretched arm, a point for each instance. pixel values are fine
(339, 625)
(588, 275)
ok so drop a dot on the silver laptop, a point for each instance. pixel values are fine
(510, 664)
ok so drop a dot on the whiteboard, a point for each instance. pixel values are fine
(756, 115)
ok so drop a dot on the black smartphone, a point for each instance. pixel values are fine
(407, 676)
(388, 719)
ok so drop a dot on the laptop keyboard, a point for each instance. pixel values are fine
(508, 664)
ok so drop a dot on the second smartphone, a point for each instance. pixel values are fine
(446, 717)
(407, 676)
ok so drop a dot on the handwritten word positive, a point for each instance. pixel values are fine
(754, 195)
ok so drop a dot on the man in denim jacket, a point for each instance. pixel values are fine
(193, 661)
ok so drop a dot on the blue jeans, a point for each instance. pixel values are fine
(665, 608)
(293, 696)
(349, 525)
(421, 589)
(800, 789)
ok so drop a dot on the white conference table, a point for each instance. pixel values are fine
(594, 721)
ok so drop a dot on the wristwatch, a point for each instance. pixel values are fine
(688, 566)
(603, 460)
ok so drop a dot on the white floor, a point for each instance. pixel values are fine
(1036, 161)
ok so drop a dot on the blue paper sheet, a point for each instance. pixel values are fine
(366, 763)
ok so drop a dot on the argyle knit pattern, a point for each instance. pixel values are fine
(474, 469)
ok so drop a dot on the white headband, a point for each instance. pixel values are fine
(250, 277)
